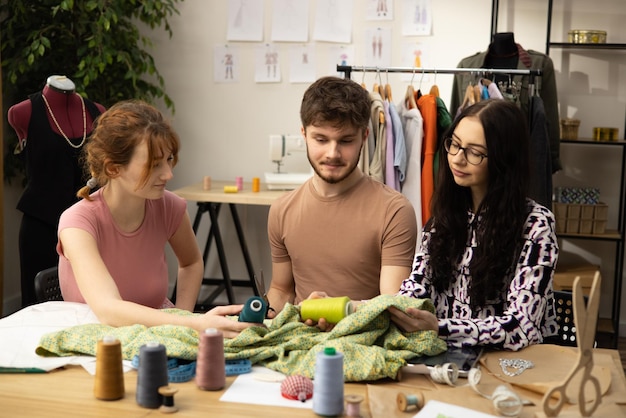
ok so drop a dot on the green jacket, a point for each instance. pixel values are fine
(544, 85)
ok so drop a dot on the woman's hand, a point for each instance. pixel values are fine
(216, 318)
(414, 319)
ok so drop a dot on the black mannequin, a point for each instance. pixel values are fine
(502, 52)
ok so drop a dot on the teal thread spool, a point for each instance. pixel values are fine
(254, 310)
(410, 402)
(331, 309)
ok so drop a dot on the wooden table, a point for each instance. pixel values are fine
(69, 393)
(210, 201)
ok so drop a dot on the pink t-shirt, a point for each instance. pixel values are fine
(135, 260)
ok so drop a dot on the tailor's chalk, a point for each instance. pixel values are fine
(231, 189)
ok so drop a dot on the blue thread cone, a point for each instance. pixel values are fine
(328, 383)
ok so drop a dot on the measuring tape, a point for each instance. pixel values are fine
(179, 371)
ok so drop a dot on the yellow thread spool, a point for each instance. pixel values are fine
(109, 382)
(331, 309)
(231, 189)
(256, 184)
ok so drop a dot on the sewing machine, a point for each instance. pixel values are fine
(299, 170)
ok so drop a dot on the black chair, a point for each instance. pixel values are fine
(565, 319)
(47, 285)
(564, 307)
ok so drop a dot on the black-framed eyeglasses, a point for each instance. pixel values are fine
(471, 155)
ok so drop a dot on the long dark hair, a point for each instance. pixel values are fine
(502, 212)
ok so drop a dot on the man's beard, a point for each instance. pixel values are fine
(332, 180)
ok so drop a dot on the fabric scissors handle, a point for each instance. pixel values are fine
(585, 319)
(260, 285)
(584, 365)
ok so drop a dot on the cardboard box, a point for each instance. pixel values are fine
(564, 276)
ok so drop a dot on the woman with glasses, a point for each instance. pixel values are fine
(487, 255)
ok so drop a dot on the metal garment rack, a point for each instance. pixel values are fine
(349, 69)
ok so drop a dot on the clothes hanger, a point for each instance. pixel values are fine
(388, 95)
(378, 87)
(477, 89)
(434, 90)
(469, 98)
(363, 80)
(409, 97)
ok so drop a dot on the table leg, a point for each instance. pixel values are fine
(215, 231)
(244, 249)
(226, 283)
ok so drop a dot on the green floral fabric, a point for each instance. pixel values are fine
(372, 345)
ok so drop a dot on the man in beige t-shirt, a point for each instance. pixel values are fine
(341, 233)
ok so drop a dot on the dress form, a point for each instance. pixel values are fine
(51, 126)
(502, 51)
(66, 107)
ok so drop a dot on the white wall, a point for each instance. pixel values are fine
(224, 127)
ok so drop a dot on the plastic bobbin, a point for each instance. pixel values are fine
(353, 405)
(168, 393)
(410, 402)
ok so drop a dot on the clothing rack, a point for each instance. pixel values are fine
(348, 69)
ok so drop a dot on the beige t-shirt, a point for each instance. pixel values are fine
(339, 244)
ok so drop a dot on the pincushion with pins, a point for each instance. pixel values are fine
(297, 387)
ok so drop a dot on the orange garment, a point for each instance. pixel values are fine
(427, 105)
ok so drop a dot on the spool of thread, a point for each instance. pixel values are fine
(231, 189)
(353, 405)
(109, 382)
(210, 364)
(254, 310)
(168, 393)
(410, 402)
(256, 184)
(151, 374)
(206, 183)
(239, 183)
(328, 383)
(331, 309)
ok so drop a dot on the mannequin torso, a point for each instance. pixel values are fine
(502, 52)
(65, 105)
(51, 126)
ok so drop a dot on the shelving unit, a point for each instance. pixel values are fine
(608, 328)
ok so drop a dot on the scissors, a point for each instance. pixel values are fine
(260, 285)
(585, 319)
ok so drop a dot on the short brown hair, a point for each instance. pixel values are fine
(337, 101)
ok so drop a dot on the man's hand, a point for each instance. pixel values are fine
(322, 324)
